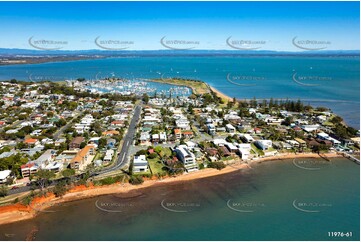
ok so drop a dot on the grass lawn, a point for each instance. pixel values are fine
(155, 165)
(166, 151)
(327, 123)
(142, 173)
(259, 151)
(227, 158)
(197, 87)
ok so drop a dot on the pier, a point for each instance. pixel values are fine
(350, 157)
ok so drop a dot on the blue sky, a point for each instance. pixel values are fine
(207, 25)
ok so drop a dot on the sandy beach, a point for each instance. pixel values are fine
(19, 212)
(221, 95)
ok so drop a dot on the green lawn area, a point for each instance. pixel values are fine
(327, 123)
(259, 151)
(227, 158)
(155, 165)
(166, 151)
(142, 173)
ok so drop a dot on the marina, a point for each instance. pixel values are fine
(128, 87)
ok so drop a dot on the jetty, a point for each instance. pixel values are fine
(350, 157)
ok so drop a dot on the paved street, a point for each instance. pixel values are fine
(127, 142)
(61, 130)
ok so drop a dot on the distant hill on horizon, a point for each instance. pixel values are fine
(34, 52)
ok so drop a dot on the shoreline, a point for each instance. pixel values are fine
(197, 87)
(17, 212)
(221, 94)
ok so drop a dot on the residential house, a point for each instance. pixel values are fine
(118, 123)
(83, 158)
(31, 142)
(162, 137)
(263, 144)
(219, 142)
(66, 157)
(60, 141)
(293, 143)
(301, 142)
(155, 138)
(76, 142)
(108, 156)
(45, 158)
(232, 148)
(224, 151)
(28, 169)
(140, 164)
(212, 153)
(246, 138)
(186, 157)
(187, 134)
(310, 128)
(191, 145)
(211, 129)
(4, 176)
(144, 138)
(178, 133)
(230, 129)
(182, 124)
(110, 133)
(324, 136)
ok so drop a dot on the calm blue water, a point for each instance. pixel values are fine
(257, 204)
(323, 81)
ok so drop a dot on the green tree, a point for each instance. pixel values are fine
(60, 189)
(68, 172)
(102, 143)
(82, 145)
(3, 191)
(158, 149)
(43, 177)
(145, 98)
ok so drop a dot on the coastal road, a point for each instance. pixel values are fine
(127, 142)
